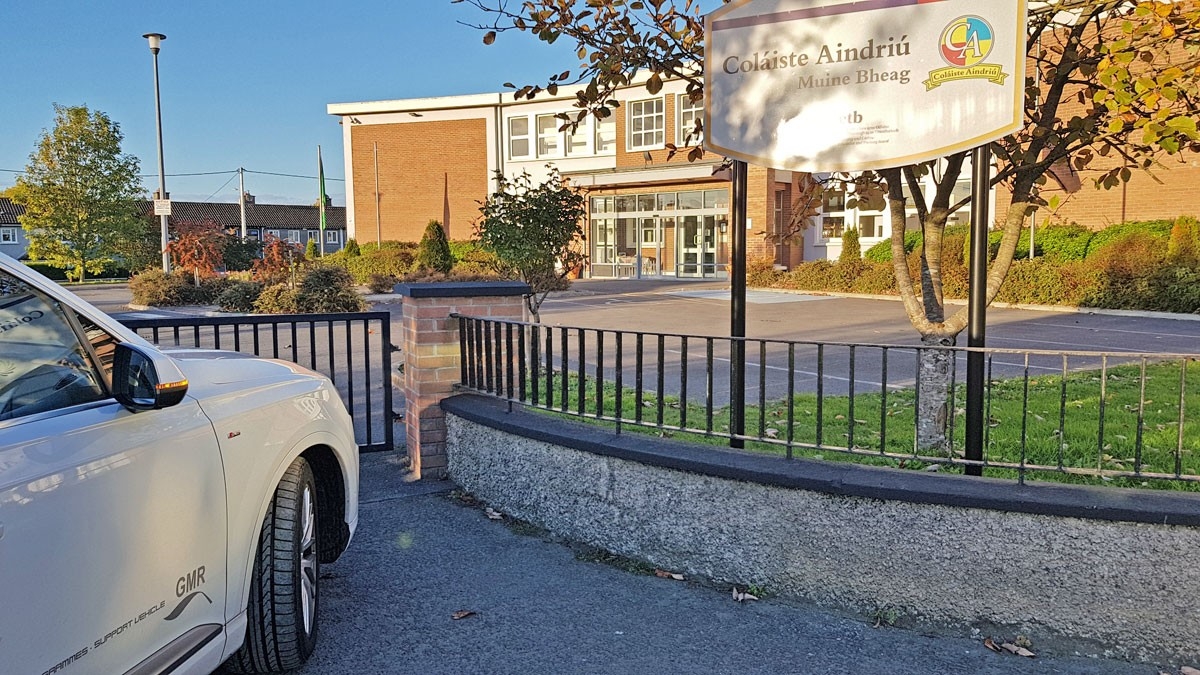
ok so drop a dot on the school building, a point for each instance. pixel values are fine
(410, 161)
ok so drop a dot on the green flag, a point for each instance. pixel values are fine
(321, 201)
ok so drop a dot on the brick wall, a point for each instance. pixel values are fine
(432, 367)
(419, 164)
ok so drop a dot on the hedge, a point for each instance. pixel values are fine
(1131, 266)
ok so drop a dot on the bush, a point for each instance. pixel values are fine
(394, 259)
(156, 288)
(433, 253)
(851, 248)
(1062, 242)
(327, 288)
(761, 273)
(240, 254)
(382, 283)
(1160, 229)
(239, 296)
(276, 299)
(882, 251)
(471, 258)
(1183, 247)
(48, 271)
(310, 250)
(352, 250)
(875, 279)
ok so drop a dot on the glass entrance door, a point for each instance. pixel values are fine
(697, 244)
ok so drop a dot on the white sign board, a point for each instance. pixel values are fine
(849, 85)
(162, 207)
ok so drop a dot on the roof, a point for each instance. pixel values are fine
(9, 212)
(272, 216)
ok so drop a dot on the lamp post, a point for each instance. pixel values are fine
(155, 40)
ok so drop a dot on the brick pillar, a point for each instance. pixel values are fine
(432, 361)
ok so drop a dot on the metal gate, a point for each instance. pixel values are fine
(352, 349)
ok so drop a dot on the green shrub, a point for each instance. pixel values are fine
(1062, 242)
(276, 299)
(851, 248)
(875, 279)
(1043, 281)
(326, 288)
(882, 251)
(1160, 229)
(310, 250)
(433, 253)
(156, 288)
(240, 254)
(352, 250)
(239, 296)
(47, 270)
(394, 260)
(382, 283)
(1183, 247)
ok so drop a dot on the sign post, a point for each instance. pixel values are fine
(832, 86)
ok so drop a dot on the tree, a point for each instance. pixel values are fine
(433, 253)
(78, 191)
(278, 262)
(1112, 84)
(197, 247)
(535, 231)
(310, 250)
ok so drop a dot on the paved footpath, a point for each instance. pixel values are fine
(420, 556)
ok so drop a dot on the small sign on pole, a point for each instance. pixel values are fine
(162, 207)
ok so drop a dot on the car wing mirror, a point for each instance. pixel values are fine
(144, 379)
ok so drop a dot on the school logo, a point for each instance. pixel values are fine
(965, 45)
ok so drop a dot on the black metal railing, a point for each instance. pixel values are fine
(1122, 418)
(354, 350)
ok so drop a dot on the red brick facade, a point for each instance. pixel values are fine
(426, 170)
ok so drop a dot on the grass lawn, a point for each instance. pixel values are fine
(1050, 422)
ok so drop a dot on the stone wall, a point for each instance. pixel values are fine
(1090, 569)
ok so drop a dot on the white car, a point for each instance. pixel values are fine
(159, 512)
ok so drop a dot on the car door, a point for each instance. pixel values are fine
(112, 523)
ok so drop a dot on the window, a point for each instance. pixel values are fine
(833, 200)
(312, 234)
(518, 137)
(331, 236)
(8, 235)
(577, 140)
(691, 200)
(690, 112)
(781, 211)
(44, 367)
(646, 122)
(833, 226)
(870, 226)
(273, 233)
(293, 236)
(548, 136)
(606, 135)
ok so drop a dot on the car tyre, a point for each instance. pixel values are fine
(282, 610)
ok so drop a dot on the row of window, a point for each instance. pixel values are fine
(662, 201)
(293, 236)
(646, 124)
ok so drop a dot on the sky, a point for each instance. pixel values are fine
(244, 84)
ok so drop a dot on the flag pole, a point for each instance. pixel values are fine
(321, 201)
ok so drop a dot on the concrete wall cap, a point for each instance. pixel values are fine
(839, 478)
(462, 289)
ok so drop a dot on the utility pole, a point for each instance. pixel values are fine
(155, 40)
(242, 199)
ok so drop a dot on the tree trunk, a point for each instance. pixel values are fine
(934, 404)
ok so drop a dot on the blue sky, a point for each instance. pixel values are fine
(243, 83)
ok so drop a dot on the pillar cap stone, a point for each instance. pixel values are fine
(462, 289)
